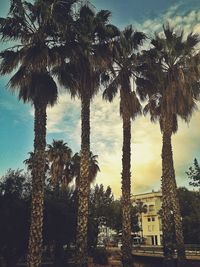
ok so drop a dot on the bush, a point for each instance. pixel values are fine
(100, 256)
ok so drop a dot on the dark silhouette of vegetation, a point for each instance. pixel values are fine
(15, 192)
(60, 217)
(194, 174)
(190, 213)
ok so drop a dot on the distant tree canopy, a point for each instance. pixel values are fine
(194, 174)
(189, 203)
(14, 214)
(60, 215)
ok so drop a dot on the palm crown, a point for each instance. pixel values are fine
(123, 69)
(26, 24)
(169, 78)
(89, 52)
(58, 154)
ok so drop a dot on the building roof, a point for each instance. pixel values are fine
(148, 195)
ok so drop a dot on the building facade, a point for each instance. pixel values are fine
(150, 220)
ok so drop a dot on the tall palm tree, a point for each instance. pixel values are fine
(59, 155)
(170, 81)
(80, 73)
(26, 25)
(123, 70)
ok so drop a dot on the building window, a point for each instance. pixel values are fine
(153, 227)
(149, 228)
(149, 219)
(151, 208)
(153, 219)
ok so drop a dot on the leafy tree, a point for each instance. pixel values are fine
(194, 174)
(115, 216)
(169, 80)
(99, 212)
(189, 204)
(15, 192)
(119, 79)
(59, 222)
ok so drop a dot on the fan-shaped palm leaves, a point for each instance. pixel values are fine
(93, 168)
(30, 161)
(170, 81)
(121, 77)
(59, 156)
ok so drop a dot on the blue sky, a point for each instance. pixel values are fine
(16, 118)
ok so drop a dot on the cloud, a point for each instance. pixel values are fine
(63, 114)
(106, 127)
(189, 20)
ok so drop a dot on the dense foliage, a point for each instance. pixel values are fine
(189, 203)
(61, 213)
(194, 174)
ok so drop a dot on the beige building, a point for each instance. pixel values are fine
(150, 221)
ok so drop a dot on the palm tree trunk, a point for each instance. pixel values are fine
(181, 256)
(126, 187)
(38, 176)
(83, 188)
(170, 207)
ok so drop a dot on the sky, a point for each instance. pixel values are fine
(16, 118)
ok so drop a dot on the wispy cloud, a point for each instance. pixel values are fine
(190, 21)
(106, 127)
(63, 114)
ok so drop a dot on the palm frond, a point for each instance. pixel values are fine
(170, 69)
(111, 91)
(9, 61)
(103, 16)
(68, 76)
(192, 40)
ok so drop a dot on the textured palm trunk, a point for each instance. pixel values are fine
(38, 176)
(172, 224)
(126, 187)
(177, 220)
(83, 186)
(57, 245)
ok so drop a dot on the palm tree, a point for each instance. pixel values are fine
(80, 73)
(26, 25)
(123, 70)
(93, 168)
(59, 155)
(169, 79)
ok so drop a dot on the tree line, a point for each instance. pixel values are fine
(60, 215)
(69, 42)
